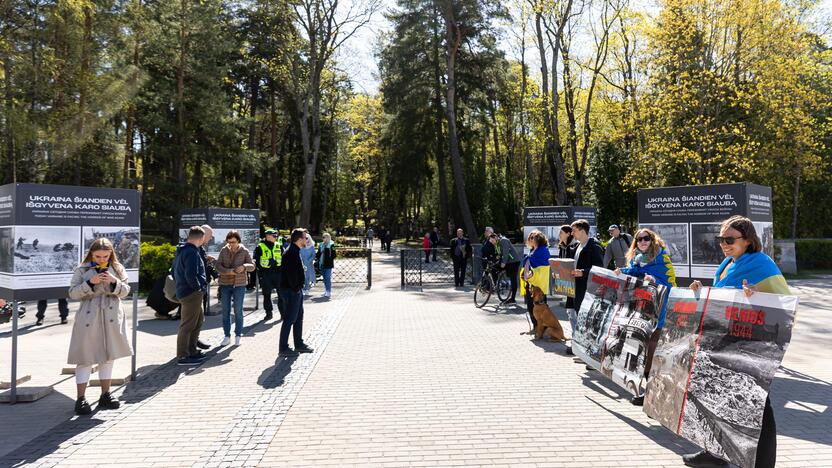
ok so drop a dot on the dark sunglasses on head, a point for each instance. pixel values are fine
(727, 240)
(645, 239)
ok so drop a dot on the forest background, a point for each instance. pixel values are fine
(480, 108)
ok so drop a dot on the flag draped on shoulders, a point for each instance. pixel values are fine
(536, 263)
(757, 268)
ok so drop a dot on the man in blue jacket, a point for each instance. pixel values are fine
(191, 284)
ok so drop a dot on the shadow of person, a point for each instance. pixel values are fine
(275, 375)
(802, 406)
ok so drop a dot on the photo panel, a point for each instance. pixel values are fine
(704, 248)
(7, 249)
(675, 237)
(126, 242)
(46, 249)
(765, 230)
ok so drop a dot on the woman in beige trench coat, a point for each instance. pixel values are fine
(99, 335)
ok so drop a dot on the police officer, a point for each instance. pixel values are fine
(268, 256)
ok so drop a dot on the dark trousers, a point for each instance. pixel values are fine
(63, 309)
(269, 282)
(767, 446)
(460, 264)
(292, 318)
(530, 305)
(434, 253)
(427, 255)
(189, 325)
(512, 270)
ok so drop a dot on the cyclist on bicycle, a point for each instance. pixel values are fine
(491, 256)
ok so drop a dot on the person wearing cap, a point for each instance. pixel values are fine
(268, 256)
(619, 245)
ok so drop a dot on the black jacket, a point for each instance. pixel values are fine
(291, 270)
(591, 255)
(210, 271)
(329, 255)
(465, 247)
(434, 239)
(489, 252)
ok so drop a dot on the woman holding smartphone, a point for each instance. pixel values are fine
(99, 335)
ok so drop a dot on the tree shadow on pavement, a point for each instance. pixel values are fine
(50, 441)
(802, 406)
(275, 376)
(657, 433)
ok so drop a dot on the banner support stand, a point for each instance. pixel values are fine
(135, 333)
(13, 393)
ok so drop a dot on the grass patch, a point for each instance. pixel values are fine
(807, 274)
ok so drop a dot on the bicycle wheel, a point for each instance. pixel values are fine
(483, 291)
(503, 287)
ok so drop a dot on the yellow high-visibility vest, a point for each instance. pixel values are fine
(267, 254)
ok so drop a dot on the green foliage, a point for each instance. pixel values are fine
(813, 254)
(156, 260)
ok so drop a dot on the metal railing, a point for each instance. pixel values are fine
(353, 265)
(416, 271)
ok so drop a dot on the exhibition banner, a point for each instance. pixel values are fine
(688, 220)
(617, 317)
(222, 220)
(549, 219)
(46, 230)
(714, 364)
(564, 283)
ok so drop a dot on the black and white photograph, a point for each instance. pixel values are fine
(126, 241)
(705, 250)
(250, 237)
(635, 318)
(7, 249)
(594, 318)
(675, 237)
(766, 233)
(741, 344)
(46, 249)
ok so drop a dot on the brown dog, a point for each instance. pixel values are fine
(546, 320)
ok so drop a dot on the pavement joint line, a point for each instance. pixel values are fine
(258, 415)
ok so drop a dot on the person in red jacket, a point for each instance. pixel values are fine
(426, 246)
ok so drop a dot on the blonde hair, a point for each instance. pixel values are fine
(102, 243)
(656, 245)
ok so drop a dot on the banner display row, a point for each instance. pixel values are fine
(222, 220)
(714, 363)
(46, 230)
(689, 218)
(549, 219)
(617, 317)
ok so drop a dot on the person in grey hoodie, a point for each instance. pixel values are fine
(618, 247)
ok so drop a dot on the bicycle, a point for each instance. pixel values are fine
(484, 289)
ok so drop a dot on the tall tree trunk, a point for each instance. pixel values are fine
(254, 86)
(129, 151)
(180, 104)
(454, 40)
(11, 157)
(796, 198)
(83, 92)
(276, 178)
(440, 141)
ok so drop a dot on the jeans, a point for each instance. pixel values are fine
(228, 293)
(292, 318)
(327, 274)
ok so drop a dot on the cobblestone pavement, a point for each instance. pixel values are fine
(405, 378)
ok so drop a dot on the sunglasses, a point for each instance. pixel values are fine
(644, 239)
(727, 240)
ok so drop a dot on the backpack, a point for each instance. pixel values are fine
(170, 287)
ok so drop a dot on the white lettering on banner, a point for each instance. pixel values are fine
(691, 201)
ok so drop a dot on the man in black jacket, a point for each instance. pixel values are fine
(460, 253)
(434, 241)
(589, 253)
(292, 278)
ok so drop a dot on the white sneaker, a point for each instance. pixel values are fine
(225, 341)
(327, 294)
(237, 340)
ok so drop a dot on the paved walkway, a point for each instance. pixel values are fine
(413, 379)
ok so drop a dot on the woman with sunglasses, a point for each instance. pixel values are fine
(648, 259)
(745, 267)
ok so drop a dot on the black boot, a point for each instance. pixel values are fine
(82, 407)
(703, 459)
(108, 402)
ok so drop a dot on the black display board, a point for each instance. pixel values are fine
(549, 219)
(688, 219)
(222, 220)
(46, 230)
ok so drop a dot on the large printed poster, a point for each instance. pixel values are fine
(549, 219)
(46, 230)
(617, 317)
(714, 364)
(222, 221)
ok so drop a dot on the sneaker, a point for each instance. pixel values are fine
(108, 402)
(82, 407)
(304, 349)
(328, 294)
(569, 351)
(289, 352)
(199, 355)
(40, 322)
(268, 317)
(176, 316)
(703, 459)
(237, 340)
(638, 401)
(225, 341)
(189, 361)
(588, 367)
(202, 345)
(159, 316)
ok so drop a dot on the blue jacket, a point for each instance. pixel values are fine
(188, 270)
(660, 268)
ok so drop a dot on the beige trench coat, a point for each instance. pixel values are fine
(100, 330)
